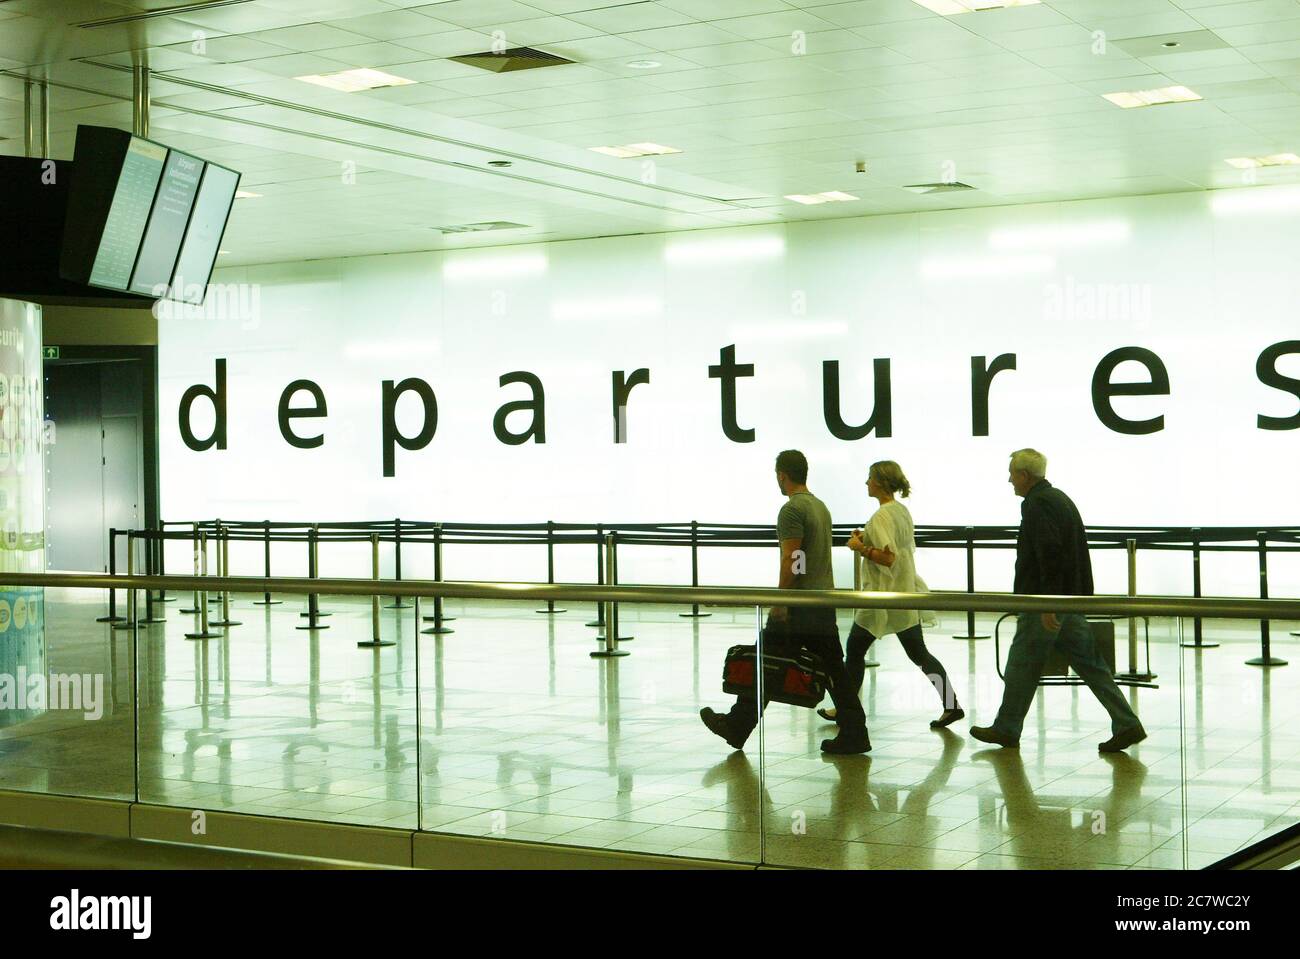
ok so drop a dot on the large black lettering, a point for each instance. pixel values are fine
(622, 389)
(882, 413)
(1266, 370)
(537, 405)
(1103, 390)
(218, 398)
(981, 378)
(391, 436)
(728, 370)
(287, 413)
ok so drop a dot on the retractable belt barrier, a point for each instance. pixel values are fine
(606, 538)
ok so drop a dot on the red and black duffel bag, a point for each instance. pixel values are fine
(791, 673)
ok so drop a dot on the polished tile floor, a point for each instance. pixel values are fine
(522, 735)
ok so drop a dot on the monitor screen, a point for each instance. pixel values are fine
(177, 188)
(133, 196)
(203, 236)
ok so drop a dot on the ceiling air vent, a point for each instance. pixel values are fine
(953, 187)
(481, 227)
(516, 58)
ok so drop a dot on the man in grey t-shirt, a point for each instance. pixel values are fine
(804, 530)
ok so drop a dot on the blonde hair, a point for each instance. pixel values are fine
(1031, 461)
(890, 475)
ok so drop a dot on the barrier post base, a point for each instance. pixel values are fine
(398, 606)
(318, 615)
(313, 626)
(111, 619)
(609, 653)
(209, 634)
(267, 602)
(1136, 677)
(973, 637)
(546, 612)
(1192, 644)
(375, 643)
(225, 622)
(1266, 661)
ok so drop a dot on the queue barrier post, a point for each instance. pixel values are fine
(129, 622)
(313, 613)
(398, 602)
(1265, 657)
(266, 599)
(437, 629)
(599, 621)
(216, 544)
(112, 616)
(695, 570)
(160, 562)
(1133, 674)
(970, 586)
(223, 569)
(201, 608)
(151, 543)
(1198, 631)
(609, 645)
(194, 548)
(375, 637)
(550, 609)
(611, 578)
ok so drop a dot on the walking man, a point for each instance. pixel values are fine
(1052, 559)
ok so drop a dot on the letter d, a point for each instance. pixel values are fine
(218, 397)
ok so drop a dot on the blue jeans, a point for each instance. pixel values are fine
(1029, 649)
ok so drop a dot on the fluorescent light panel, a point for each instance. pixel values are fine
(353, 81)
(246, 195)
(1151, 98)
(1274, 159)
(951, 8)
(830, 196)
(633, 150)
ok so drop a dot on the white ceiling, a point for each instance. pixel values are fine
(1008, 101)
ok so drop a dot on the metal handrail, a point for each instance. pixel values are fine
(1219, 608)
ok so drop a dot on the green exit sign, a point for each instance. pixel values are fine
(49, 352)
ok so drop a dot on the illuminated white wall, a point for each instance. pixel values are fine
(1206, 281)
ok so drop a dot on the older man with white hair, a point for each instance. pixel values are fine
(1052, 559)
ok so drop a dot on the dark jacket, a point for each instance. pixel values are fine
(1052, 549)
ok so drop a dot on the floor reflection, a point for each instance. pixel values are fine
(522, 735)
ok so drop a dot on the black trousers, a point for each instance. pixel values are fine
(815, 630)
(913, 641)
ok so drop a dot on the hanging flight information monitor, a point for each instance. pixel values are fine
(143, 218)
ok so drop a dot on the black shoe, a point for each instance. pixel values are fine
(949, 717)
(719, 726)
(845, 745)
(987, 734)
(1122, 741)
(827, 715)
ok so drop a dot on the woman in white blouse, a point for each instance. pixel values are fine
(888, 550)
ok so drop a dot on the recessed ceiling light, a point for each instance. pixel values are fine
(950, 8)
(952, 187)
(352, 81)
(246, 195)
(223, 253)
(1275, 159)
(811, 199)
(632, 150)
(500, 164)
(644, 64)
(1150, 98)
(1170, 44)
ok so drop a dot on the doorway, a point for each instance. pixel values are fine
(99, 413)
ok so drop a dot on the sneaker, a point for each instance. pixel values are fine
(1123, 740)
(843, 745)
(987, 734)
(949, 717)
(719, 726)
